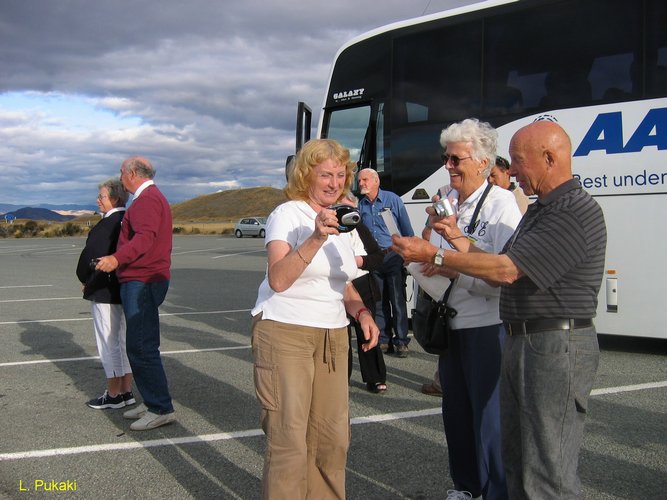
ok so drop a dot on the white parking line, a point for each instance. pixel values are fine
(197, 251)
(204, 438)
(225, 436)
(88, 358)
(239, 253)
(63, 320)
(628, 388)
(7, 250)
(39, 300)
(24, 286)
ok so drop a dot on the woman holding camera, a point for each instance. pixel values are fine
(299, 334)
(485, 216)
(103, 290)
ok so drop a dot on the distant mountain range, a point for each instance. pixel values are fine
(39, 214)
(7, 207)
(228, 205)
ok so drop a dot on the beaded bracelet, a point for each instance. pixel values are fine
(359, 312)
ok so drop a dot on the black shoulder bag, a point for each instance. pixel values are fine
(431, 319)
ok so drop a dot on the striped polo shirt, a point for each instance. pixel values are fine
(560, 246)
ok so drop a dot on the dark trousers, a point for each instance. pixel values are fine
(140, 304)
(470, 378)
(371, 363)
(392, 310)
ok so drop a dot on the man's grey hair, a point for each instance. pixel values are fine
(140, 166)
(372, 171)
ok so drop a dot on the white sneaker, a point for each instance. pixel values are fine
(152, 420)
(136, 413)
(459, 495)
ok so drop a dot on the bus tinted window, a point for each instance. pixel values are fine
(437, 75)
(656, 58)
(596, 62)
(436, 80)
(373, 56)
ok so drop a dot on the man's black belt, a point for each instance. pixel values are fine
(543, 325)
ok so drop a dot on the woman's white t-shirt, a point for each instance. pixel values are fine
(316, 297)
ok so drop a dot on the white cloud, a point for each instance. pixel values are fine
(205, 89)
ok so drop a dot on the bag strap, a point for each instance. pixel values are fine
(472, 224)
(447, 292)
(470, 228)
(445, 296)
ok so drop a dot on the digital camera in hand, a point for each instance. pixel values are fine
(348, 217)
(443, 208)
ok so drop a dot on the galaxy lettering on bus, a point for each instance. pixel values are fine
(349, 94)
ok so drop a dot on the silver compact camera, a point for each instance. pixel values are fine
(443, 208)
(348, 217)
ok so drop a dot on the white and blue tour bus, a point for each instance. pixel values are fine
(597, 67)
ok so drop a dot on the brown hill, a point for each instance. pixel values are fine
(228, 205)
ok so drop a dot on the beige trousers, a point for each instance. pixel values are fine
(301, 383)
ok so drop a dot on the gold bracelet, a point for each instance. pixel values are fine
(301, 257)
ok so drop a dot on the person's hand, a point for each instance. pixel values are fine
(107, 264)
(413, 248)
(370, 330)
(430, 270)
(446, 227)
(326, 223)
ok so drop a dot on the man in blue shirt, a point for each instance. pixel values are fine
(391, 277)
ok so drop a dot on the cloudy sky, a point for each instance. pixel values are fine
(206, 89)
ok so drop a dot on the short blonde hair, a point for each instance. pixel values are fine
(314, 152)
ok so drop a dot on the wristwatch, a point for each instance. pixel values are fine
(439, 257)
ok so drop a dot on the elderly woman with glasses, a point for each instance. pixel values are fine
(103, 290)
(485, 217)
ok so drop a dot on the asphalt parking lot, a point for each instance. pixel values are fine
(49, 369)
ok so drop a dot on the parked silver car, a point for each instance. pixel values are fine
(250, 226)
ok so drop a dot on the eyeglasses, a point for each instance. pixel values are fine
(453, 159)
(101, 196)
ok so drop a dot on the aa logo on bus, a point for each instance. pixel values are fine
(606, 134)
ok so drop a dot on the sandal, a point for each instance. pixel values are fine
(376, 387)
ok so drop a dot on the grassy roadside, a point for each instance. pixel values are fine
(215, 213)
(25, 228)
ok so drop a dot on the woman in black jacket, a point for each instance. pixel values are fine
(103, 290)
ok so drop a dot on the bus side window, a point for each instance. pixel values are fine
(566, 87)
(656, 59)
